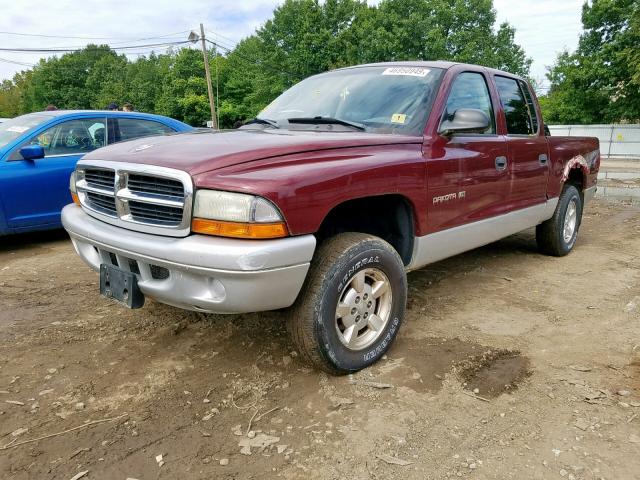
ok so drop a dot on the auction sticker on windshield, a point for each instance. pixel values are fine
(17, 129)
(410, 71)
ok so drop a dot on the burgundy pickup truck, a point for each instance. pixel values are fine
(324, 201)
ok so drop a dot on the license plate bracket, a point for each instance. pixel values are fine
(121, 286)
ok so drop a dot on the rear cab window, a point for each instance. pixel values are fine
(517, 108)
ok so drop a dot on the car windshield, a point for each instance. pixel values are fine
(380, 99)
(12, 129)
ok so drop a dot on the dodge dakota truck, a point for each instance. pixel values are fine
(324, 201)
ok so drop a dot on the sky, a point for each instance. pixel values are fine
(543, 27)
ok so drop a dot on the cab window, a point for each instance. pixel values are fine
(531, 106)
(516, 109)
(469, 90)
(73, 137)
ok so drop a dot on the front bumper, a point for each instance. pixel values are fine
(198, 272)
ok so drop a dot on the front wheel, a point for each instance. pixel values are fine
(352, 304)
(558, 235)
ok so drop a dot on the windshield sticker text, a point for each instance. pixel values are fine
(410, 71)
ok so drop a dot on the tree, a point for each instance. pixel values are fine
(63, 81)
(10, 98)
(456, 30)
(600, 81)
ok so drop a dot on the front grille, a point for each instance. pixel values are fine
(138, 197)
(100, 178)
(155, 185)
(150, 213)
(102, 203)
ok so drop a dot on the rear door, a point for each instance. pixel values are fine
(528, 148)
(471, 181)
(40, 188)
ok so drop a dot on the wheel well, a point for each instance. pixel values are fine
(389, 217)
(576, 178)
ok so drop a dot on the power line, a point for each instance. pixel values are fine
(255, 62)
(91, 38)
(231, 40)
(63, 50)
(24, 64)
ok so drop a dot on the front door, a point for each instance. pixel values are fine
(469, 180)
(35, 191)
(528, 147)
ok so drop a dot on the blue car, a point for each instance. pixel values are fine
(38, 152)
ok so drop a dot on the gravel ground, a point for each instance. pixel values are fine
(509, 365)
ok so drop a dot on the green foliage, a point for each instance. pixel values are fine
(303, 38)
(600, 82)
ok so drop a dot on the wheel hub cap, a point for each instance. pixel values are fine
(363, 309)
(570, 221)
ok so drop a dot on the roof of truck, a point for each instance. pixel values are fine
(445, 65)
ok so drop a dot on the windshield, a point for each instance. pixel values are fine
(12, 129)
(381, 99)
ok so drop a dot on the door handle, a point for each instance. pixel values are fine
(501, 163)
(542, 158)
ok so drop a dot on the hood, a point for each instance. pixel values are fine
(203, 151)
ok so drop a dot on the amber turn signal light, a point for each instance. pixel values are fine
(239, 230)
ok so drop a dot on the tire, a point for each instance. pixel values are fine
(344, 277)
(552, 236)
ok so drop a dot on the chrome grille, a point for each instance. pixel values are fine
(155, 185)
(102, 203)
(146, 212)
(100, 178)
(138, 197)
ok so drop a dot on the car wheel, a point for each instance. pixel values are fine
(557, 236)
(352, 304)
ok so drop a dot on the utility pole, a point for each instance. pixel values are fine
(212, 104)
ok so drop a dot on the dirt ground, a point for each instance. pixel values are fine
(546, 344)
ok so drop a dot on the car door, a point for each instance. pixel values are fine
(528, 147)
(40, 188)
(475, 184)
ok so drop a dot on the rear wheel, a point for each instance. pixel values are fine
(557, 236)
(351, 305)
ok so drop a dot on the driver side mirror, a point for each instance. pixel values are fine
(465, 120)
(32, 152)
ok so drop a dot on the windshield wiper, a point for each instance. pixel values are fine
(263, 121)
(327, 121)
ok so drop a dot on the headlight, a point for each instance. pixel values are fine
(239, 215)
(72, 188)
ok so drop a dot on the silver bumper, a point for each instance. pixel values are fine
(198, 272)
